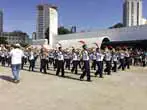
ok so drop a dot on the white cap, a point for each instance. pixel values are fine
(18, 45)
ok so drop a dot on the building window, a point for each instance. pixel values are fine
(132, 13)
(138, 13)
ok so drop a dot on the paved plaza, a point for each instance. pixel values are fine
(120, 91)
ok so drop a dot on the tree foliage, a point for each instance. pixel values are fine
(62, 30)
(17, 33)
(23, 44)
(3, 40)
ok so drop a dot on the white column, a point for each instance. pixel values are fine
(53, 25)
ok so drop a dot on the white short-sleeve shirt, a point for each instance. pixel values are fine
(16, 56)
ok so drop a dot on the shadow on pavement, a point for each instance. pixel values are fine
(49, 73)
(6, 78)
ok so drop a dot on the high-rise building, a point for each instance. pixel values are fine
(1, 21)
(47, 17)
(132, 12)
(34, 36)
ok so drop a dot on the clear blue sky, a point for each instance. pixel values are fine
(85, 14)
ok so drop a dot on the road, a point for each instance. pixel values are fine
(121, 91)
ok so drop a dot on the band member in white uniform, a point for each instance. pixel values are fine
(60, 62)
(86, 67)
(99, 62)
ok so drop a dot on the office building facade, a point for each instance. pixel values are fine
(132, 12)
(14, 38)
(47, 17)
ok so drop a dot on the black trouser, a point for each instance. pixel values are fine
(114, 68)
(79, 63)
(60, 67)
(136, 61)
(3, 60)
(108, 67)
(75, 67)
(143, 63)
(0, 58)
(23, 61)
(86, 71)
(43, 65)
(51, 61)
(127, 62)
(67, 64)
(100, 68)
(93, 65)
(32, 64)
(55, 64)
(122, 64)
(47, 65)
(9, 61)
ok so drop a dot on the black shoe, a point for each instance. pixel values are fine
(62, 76)
(81, 79)
(89, 80)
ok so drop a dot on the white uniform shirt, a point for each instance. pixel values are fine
(16, 56)
(127, 54)
(75, 57)
(60, 56)
(3, 54)
(108, 56)
(99, 56)
(122, 55)
(85, 56)
(31, 57)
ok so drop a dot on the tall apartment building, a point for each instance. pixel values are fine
(1, 21)
(47, 17)
(132, 12)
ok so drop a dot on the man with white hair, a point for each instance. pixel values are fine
(16, 60)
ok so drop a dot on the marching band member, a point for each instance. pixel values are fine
(67, 59)
(60, 62)
(127, 59)
(122, 60)
(55, 59)
(79, 59)
(3, 57)
(51, 57)
(74, 62)
(114, 60)
(99, 62)
(93, 58)
(43, 62)
(86, 67)
(31, 60)
(108, 59)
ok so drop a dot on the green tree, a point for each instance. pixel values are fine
(3, 40)
(118, 25)
(62, 30)
(24, 44)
